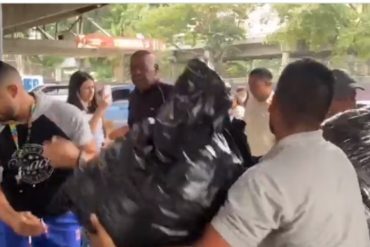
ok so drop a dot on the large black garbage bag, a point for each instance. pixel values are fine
(351, 132)
(164, 183)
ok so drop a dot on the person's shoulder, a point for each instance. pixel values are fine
(66, 108)
(51, 106)
(258, 176)
(165, 86)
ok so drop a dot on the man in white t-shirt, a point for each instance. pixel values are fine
(305, 191)
(256, 116)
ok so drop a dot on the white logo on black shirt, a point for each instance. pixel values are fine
(33, 167)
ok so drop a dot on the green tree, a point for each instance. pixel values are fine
(344, 27)
(212, 26)
(121, 19)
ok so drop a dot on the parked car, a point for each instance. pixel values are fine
(117, 112)
(57, 91)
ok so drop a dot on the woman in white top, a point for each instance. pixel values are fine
(82, 94)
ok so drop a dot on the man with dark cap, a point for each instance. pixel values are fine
(344, 93)
(348, 128)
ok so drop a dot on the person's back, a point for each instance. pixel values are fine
(304, 192)
(320, 187)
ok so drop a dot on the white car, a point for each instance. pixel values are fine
(57, 91)
(117, 112)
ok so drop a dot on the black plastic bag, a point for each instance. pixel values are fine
(351, 132)
(164, 183)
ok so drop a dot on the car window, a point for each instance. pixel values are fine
(57, 90)
(121, 94)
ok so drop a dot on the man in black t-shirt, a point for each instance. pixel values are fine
(30, 198)
(149, 93)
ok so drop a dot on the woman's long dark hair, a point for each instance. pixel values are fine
(74, 87)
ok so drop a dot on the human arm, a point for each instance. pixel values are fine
(120, 132)
(101, 237)
(64, 153)
(254, 209)
(22, 223)
(97, 118)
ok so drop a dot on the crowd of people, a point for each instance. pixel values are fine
(298, 190)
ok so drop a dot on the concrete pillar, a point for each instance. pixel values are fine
(253, 64)
(58, 74)
(285, 60)
(119, 69)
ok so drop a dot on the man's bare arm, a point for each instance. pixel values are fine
(212, 238)
(22, 223)
(63, 153)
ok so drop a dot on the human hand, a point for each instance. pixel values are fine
(26, 224)
(120, 132)
(101, 238)
(107, 143)
(104, 102)
(61, 152)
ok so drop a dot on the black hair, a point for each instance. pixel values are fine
(304, 92)
(74, 87)
(7, 70)
(261, 73)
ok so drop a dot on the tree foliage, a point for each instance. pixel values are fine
(213, 26)
(122, 18)
(344, 27)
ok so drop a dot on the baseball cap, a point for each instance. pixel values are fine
(344, 84)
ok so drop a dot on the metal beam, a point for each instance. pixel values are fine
(19, 17)
(67, 48)
(46, 34)
(98, 26)
(252, 49)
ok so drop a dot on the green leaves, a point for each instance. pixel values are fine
(344, 27)
(215, 26)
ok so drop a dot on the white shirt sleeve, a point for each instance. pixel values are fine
(254, 208)
(72, 121)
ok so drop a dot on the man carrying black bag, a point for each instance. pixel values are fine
(276, 203)
(349, 129)
(164, 183)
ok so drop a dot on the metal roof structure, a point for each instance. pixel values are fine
(19, 17)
